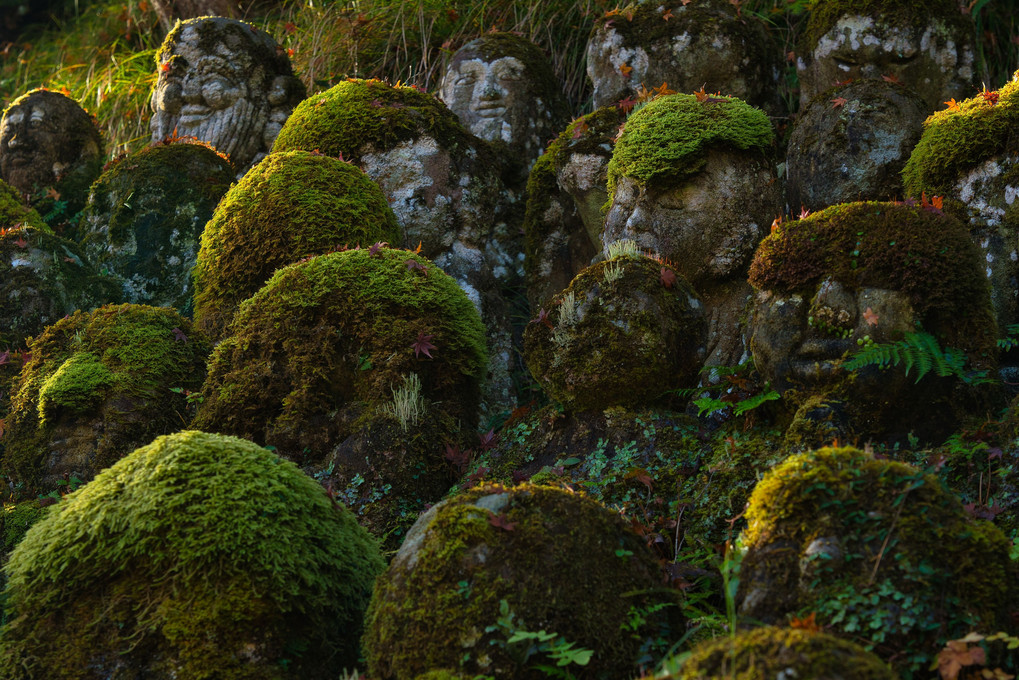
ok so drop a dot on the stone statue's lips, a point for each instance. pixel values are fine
(817, 358)
(18, 158)
(193, 115)
(489, 110)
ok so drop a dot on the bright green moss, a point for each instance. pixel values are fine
(289, 206)
(914, 14)
(15, 520)
(957, 140)
(99, 383)
(919, 251)
(368, 116)
(196, 556)
(668, 139)
(14, 213)
(325, 342)
(439, 603)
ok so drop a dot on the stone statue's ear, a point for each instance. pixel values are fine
(286, 90)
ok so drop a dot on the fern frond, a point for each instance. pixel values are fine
(921, 351)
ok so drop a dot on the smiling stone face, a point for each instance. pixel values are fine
(226, 83)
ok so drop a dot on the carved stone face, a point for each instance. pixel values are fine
(223, 82)
(42, 135)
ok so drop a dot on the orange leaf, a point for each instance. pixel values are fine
(870, 316)
(625, 70)
(53, 193)
(667, 15)
(990, 97)
(701, 94)
(164, 67)
(143, 6)
(891, 79)
(952, 104)
(838, 101)
(417, 251)
(663, 89)
(775, 224)
(806, 623)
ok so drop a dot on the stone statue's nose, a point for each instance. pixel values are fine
(191, 88)
(13, 142)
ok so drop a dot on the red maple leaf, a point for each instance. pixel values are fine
(501, 522)
(376, 247)
(579, 129)
(626, 105)
(542, 318)
(423, 345)
(952, 104)
(488, 440)
(413, 264)
(289, 27)
(891, 79)
(990, 97)
(701, 95)
(667, 15)
(459, 459)
(838, 101)
(870, 316)
(178, 335)
(668, 277)
(21, 242)
(803, 212)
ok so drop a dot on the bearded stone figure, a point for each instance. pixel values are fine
(226, 83)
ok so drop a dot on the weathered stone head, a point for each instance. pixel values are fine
(502, 89)
(46, 137)
(926, 46)
(699, 43)
(871, 272)
(226, 83)
(850, 144)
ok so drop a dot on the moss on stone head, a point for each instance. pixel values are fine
(547, 553)
(14, 213)
(357, 117)
(919, 251)
(770, 652)
(325, 342)
(239, 37)
(291, 205)
(103, 380)
(914, 14)
(874, 547)
(195, 556)
(958, 139)
(668, 139)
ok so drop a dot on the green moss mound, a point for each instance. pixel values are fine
(623, 333)
(769, 652)
(917, 250)
(357, 117)
(957, 140)
(98, 385)
(668, 139)
(875, 548)
(14, 213)
(496, 560)
(145, 216)
(327, 340)
(196, 556)
(289, 206)
(915, 14)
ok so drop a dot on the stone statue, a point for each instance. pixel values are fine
(226, 83)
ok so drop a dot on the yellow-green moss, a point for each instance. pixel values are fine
(14, 213)
(668, 139)
(326, 340)
(914, 14)
(196, 556)
(956, 140)
(368, 116)
(289, 206)
(552, 560)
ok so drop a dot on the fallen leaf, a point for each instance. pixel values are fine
(501, 522)
(579, 129)
(891, 79)
(776, 223)
(701, 94)
(667, 15)
(990, 97)
(803, 212)
(870, 317)
(624, 105)
(423, 345)
(417, 251)
(413, 265)
(956, 655)
(178, 335)
(667, 277)
(838, 101)
(952, 104)
(625, 70)
(542, 318)
(376, 247)
(53, 193)
(808, 623)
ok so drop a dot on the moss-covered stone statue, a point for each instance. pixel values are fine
(860, 274)
(145, 216)
(969, 156)
(872, 548)
(691, 178)
(503, 90)
(850, 144)
(687, 46)
(926, 46)
(97, 386)
(50, 150)
(195, 556)
(226, 83)
(290, 206)
(771, 651)
(43, 277)
(566, 191)
(495, 561)
(623, 333)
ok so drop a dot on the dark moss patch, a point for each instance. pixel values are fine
(14, 213)
(198, 556)
(915, 14)
(290, 206)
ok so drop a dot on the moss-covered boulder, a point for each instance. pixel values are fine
(323, 347)
(926, 46)
(874, 548)
(863, 273)
(850, 144)
(699, 43)
(145, 216)
(290, 206)
(196, 556)
(496, 561)
(97, 386)
(623, 333)
(770, 652)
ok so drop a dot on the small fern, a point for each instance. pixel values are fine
(917, 350)
(1010, 341)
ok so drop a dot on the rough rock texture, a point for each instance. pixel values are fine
(703, 43)
(195, 556)
(850, 144)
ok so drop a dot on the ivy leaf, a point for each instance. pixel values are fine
(423, 345)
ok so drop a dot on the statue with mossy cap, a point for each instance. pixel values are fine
(226, 83)
(684, 46)
(926, 45)
(857, 277)
(503, 90)
(51, 151)
(692, 179)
